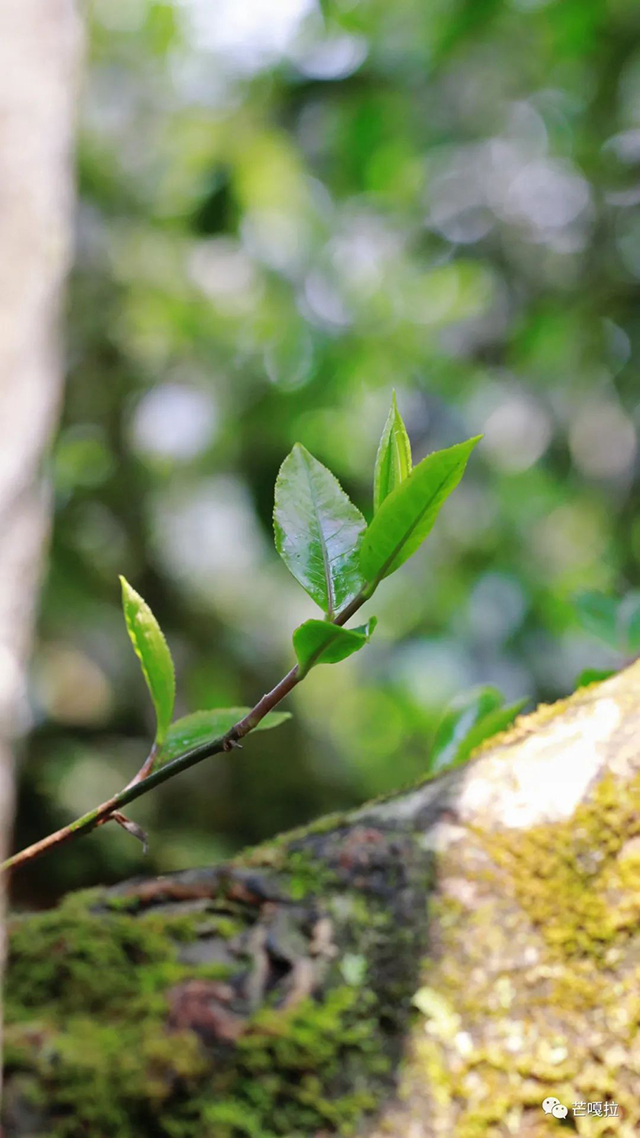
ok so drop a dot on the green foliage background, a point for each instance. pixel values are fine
(285, 211)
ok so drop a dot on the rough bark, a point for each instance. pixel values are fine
(37, 52)
(434, 964)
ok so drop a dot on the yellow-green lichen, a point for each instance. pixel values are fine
(539, 967)
(569, 878)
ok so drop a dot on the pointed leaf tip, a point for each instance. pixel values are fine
(408, 514)
(153, 653)
(393, 459)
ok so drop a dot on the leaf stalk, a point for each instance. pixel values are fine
(144, 782)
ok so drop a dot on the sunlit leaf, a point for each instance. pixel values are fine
(407, 516)
(151, 649)
(204, 726)
(316, 642)
(317, 530)
(393, 460)
(471, 719)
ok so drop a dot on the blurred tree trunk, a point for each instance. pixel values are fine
(435, 964)
(38, 51)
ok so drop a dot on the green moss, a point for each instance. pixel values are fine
(92, 1028)
(79, 959)
(306, 876)
(286, 1063)
(317, 1065)
(122, 902)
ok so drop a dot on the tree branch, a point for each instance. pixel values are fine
(143, 783)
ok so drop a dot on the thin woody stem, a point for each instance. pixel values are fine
(142, 783)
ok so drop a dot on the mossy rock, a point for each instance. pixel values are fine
(266, 998)
(435, 965)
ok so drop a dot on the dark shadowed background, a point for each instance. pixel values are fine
(285, 210)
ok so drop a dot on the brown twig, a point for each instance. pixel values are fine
(147, 779)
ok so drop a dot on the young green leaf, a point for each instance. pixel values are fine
(317, 530)
(151, 649)
(408, 514)
(471, 718)
(316, 642)
(204, 726)
(393, 460)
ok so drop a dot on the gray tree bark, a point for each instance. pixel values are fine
(437, 964)
(38, 52)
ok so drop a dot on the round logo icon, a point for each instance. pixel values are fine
(549, 1104)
